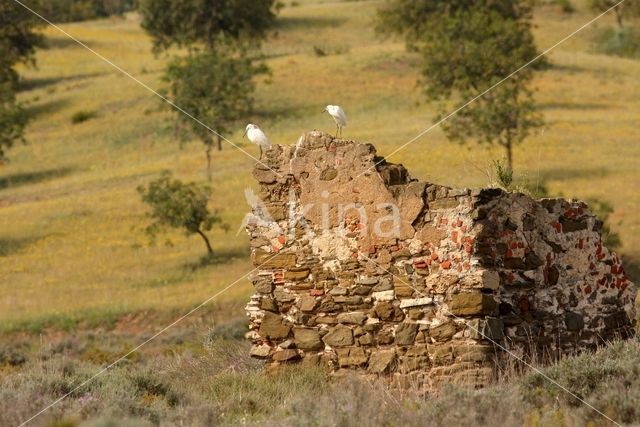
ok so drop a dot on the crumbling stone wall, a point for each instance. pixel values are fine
(361, 267)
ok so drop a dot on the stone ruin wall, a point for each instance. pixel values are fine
(431, 297)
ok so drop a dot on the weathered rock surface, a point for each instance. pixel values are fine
(360, 267)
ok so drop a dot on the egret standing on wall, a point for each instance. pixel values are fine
(338, 115)
(255, 135)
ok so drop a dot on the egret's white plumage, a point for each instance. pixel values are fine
(339, 116)
(255, 135)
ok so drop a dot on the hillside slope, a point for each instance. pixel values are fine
(71, 244)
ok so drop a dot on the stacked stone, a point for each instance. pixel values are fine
(464, 275)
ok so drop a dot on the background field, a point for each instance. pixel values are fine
(72, 252)
(71, 243)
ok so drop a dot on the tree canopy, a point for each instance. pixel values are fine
(175, 204)
(629, 8)
(190, 22)
(214, 86)
(18, 41)
(81, 10)
(467, 47)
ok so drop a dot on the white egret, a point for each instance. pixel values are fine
(255, 135)
(338, 115)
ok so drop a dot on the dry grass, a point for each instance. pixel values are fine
(215, 383)
(73, 255)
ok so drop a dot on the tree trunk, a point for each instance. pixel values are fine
(219, 142)
(206, 242)
(209, 173)
(619, 16)
(509, 147)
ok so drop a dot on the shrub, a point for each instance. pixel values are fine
(83, 116)
(321, 50)
(623, 42)
(565, 5)
(179, 205)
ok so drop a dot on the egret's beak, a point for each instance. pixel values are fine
(245, 133)
(324, 111)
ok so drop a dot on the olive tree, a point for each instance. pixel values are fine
(175, 204)
(467, 47)
(18, 41)
(214, 81)
(217, 88)
(186, 23)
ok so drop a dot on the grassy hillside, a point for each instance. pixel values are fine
(71, 245)
(76, 267)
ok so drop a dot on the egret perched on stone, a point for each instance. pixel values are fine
(338, 115)
(255, 135)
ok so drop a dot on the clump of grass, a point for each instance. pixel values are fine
(322, 50)
(223, 385)
(565, 5)
(503, 174)
(82, 116)
(623, 42)
(12, 356)
(234, 329)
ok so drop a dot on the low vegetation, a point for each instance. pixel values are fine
(213, 382)
(623, 42)
(83, 116)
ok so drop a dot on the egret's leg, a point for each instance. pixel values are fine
(260, 151)
(337, 127)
